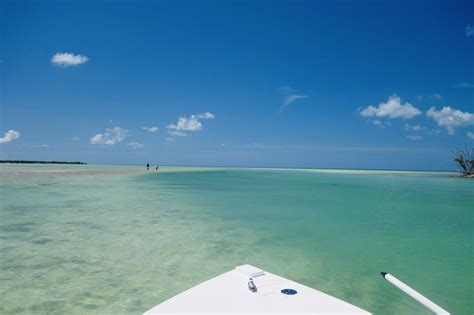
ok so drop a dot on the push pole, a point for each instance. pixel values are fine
(415, 294)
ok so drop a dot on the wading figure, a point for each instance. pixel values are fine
(147, 166)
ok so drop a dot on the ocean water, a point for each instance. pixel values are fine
(119, 240)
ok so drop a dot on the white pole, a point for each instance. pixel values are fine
(415, 294)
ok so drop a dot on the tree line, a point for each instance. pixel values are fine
(40, 162)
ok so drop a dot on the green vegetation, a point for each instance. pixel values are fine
(40, 162)
(465, 159)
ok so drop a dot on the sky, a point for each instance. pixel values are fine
(321, 84)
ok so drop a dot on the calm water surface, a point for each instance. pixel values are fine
(96, 239)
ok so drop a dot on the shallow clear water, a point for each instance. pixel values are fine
(95, 239)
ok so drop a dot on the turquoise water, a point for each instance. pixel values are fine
(103, 240)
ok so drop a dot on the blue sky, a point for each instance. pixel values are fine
(339, 84)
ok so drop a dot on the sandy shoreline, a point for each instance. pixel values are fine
(33, 171)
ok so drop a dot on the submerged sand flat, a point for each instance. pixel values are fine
(363, 172)
(118, 239)
(15, 171)
(33, 171)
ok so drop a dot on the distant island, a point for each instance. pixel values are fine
(40, 162)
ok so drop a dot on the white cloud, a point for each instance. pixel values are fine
(414, 137)
(469, 31)
(464, 85)
(381, 124)
(450, 118)
(135, 145)
(68, 59)
(409, 127)
(150, 129)
(9, 136)
(76, 139)
(470, 135)
(41, 145)
(436, 96)
(169, 139)
(206, 115)
(393, 108)
(187, 124)
(98, 139)
(191, 124)
(177, 133)
(110, 136)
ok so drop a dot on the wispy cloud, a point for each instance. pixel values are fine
(262, 146)
(409, 127)
(450, 118)
(169, 139)
(135, 145)
(436, 96)
(177, 133)
(463, 85)
(393, 108)
(76, 139)
(336, 148)
(469, 30)
(419, 98)
(9, 136)
(150, 129)
(290, 99)
(68, 59)
(470, 135)
(381, 124)
(111, 136)
(290, 96)
(286, 88)
(188, 124)
(414, 137)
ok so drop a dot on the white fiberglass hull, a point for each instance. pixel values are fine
(230, 293)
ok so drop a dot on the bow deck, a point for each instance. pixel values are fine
(230, 293)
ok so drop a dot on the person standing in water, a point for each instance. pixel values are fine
(147, 166)
(156, 167)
